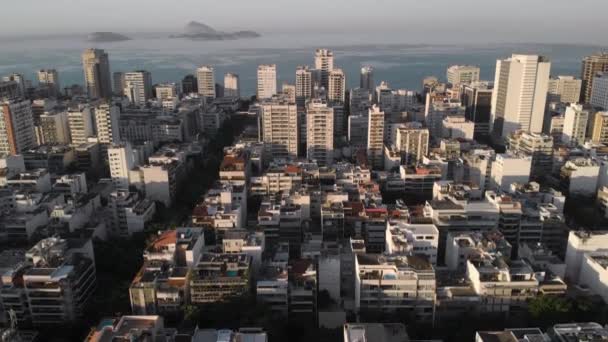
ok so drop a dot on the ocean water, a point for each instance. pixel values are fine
(403, 65)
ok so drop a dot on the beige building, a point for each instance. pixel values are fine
(303, 85)
(232, 85)
(462, 74)
(16, 127)
(267, 81)
(206, 81)
(138, 87)
(590, 67)
(50, 79)
(324, 61)
(336, 91)
(566, 89)
(81, 125)
(53, 128)
(520, 94)
(412, 141)
(575, 125)
(600, 128)
(279, 121)
(97, 78)
(107, 123)
(454, 127)
(375, 137)
(320, 132)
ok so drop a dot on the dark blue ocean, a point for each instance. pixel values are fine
(403, 65)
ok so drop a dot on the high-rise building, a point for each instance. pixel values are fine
(599, 93)
(304, 85)
(590, 67)
(357, 130)
(50, 79)
(457, 127)
(336, 91)
(167, 91)
(520, 94)
(367, 78)
(107, 123)
(319, 132)
(477, 100)
(279, 121)
(16, 127)
(566, 89)
(536, 145)
(324, 61)
(97, 73)
(267, 81)
(121, 160)
(232, 85)
(359, 101)
(462, 74)
(81, 124)
(412, 141)
(118, 82)
(138, 87)
(509, 168)
(600, 128)
(575, 125)
(53, 128)
(9, 90)
(190, 84)
(375, 137)
(289, 92)
(206, 82)
(19, 80)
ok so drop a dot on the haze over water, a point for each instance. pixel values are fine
(403, 65)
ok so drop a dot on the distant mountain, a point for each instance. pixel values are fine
(106, 37)
(199, 31)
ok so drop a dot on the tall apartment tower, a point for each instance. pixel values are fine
(575, 125)
(600, 128)
(267, 81)
(324, 61)
(590, 67)
(367, 78)
(232, 85)
(536, 145)
(138, 87)
(50, 79)
(520, 94)
(319, 132)
(279, 121)
(107, 118)
(97, 79)
(412, 141)
(477, 100)
(121, 160)
(303, 85)
(206, 82)
(17, 133)
(80, 121)
(566, 89)
(375, 137)
(599, 93)
(53, 128)
(462, 74)
(118, 83)
(19, 80)
(336, 91)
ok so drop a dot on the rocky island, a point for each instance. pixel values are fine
(199, 31)
(106, 37)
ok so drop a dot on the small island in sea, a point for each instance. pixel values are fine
(106, 37)
(199, 31)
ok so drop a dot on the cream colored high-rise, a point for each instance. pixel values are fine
(600, 128)
(412, 141)
(279, 119)
(375, 137)
(303, 85)
(50, 78)
(267, 81)
(320, 132)
(97, 78)
(138, 87)
(121, 160)
(80, 121)
(107, 118)
(336, 91)
(462, 74)
(566, 89)
(520, 94)
(206, 82)
(232, 85)
(324, 61)
(575, 125)
(591, 66)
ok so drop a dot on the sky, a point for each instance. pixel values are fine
(555, 21)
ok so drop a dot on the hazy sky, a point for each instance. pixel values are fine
(569, 21)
